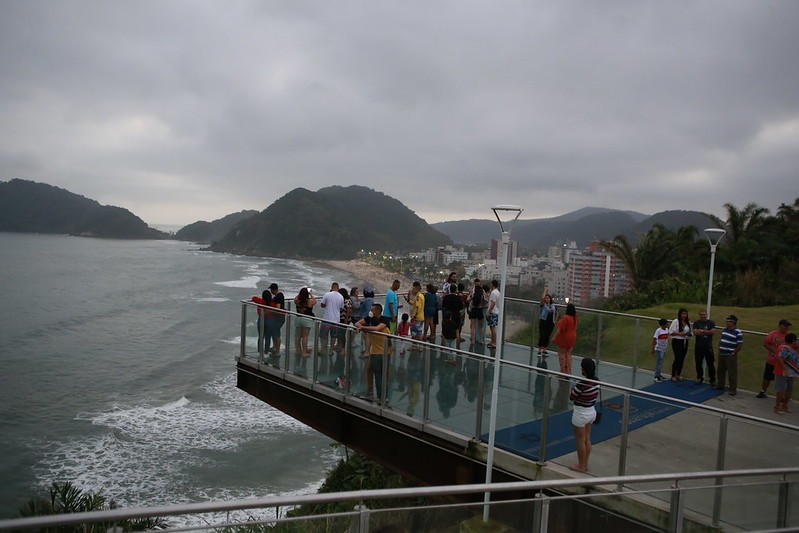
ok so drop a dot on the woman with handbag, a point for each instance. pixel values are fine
(584, 395)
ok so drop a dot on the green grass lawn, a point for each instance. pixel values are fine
(628, 340)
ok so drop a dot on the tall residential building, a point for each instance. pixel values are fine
(595, 274)
(513, 250)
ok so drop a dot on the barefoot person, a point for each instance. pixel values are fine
(584, 395)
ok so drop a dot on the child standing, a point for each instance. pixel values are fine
(660, 341)
(404, 330)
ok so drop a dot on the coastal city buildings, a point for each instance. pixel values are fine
(584, 276)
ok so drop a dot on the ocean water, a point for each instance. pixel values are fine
(118, 374)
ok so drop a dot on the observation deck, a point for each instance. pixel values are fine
(431, 421)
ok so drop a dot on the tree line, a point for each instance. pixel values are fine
(757, 261)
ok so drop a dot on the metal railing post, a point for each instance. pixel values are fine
(315, 355)
(242, 348)
(351, 334)
(261, 336)
(478, 422)
(783, 503)
(542, 446)
(544, 524)
(721, 452)
(286, 335)
(362, 518)
(533, 344)
(625, 432)
(676, 509)
(384, 392)
(289, 337)
(598, 340)
(635, 351)
(427, 373)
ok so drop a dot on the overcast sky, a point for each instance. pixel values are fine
(189, 110)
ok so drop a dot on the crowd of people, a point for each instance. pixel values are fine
(418, 313)
(782, 354)
(422, 314)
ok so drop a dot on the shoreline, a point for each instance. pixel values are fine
(368, 275)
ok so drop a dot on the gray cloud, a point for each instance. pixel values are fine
(190, 110)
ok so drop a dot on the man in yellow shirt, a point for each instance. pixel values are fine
(374, 325)
(416, 298)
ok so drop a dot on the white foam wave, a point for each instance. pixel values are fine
(212, 299)
(146, 454)
(245, 282)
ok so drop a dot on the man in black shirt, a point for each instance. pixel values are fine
(280, 318)
(703, 330)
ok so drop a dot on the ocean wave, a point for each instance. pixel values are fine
(245, 282)
(149, 454)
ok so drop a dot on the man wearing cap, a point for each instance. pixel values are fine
(773, 343)
(730, 342)
(703, 330)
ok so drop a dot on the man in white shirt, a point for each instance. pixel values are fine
(493, 312)
(332, 303)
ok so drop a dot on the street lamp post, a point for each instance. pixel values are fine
(714, 235)
(511, 213)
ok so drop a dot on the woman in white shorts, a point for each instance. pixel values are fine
(584, 395)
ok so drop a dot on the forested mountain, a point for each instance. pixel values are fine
(208, 232)
(331, 223)
(583, 226)
(31, 207)
(672, 220)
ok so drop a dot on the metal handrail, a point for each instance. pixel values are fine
(368, 495)
(524, 366)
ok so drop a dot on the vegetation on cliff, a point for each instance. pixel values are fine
(30, 207)
(208, 232)
(331, 223)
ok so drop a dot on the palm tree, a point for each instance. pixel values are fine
(67, 498)
(654, 257)
(744, 222)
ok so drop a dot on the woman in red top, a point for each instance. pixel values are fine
(565, 338)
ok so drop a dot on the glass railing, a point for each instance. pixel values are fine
(451, 388)
(447, 391)
(763, 500)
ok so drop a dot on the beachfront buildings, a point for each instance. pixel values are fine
(595, 274)
(584, 276)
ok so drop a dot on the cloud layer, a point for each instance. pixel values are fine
(190, 110)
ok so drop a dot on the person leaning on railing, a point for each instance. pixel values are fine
(375, 324)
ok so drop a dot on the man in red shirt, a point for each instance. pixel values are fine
(773, 343)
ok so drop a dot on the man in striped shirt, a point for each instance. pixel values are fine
(730, 342)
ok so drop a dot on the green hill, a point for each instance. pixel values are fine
(31, 207)
(331, 223)
(208, 232)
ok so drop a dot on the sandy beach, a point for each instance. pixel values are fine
(369, 275)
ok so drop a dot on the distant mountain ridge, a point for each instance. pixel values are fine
(583, 226)
(331, 223)
(208, 232)
(31, 207)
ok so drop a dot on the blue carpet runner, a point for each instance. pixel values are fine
(525, 439)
